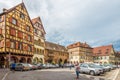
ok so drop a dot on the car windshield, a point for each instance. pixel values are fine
(91, 65)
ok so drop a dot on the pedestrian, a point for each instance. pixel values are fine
(12, 67)
(77, 70)
(70, 65)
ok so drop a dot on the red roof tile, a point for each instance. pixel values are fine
(38, 19)
(102, 50)
(78, 44)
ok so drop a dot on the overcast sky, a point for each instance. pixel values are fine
(66, 21)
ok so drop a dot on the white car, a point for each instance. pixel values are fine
(90, 69)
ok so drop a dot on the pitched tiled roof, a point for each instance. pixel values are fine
(13, 8)
(38, 19)
(102, 50)
(9, 10)
(117, 54)
(78, 44)
(54, 46)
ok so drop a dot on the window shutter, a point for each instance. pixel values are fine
(0, 31)
(2, 18)
(17, 23)
(8, 44)
(16, 45)
(10, 19)
(26, 47)
(2, 43)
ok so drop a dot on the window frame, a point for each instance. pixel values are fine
(28, 28)
(13, 19)
(22, 16)
(12, 45)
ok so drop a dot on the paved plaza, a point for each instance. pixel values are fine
(55, 74)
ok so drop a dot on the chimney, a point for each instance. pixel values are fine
(4, 10)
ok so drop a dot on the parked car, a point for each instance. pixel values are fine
(90, 69)
(33, 66)
(102, 66)
(30, 66)
(109, 66)
(40, 66)
(22, 67)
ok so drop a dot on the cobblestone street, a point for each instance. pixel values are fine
(3, 72)
(55, 74)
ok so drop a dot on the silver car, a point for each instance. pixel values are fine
(90, 69)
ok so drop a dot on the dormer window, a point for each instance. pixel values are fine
(99, 52)
(107, 50)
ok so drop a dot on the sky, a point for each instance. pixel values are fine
(96, 22)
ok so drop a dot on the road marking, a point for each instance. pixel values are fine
(114, 78)
(5, 76)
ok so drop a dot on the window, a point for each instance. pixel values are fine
(37, 24)
(20, 34)
(0, 18)
(12, 45)
(29, 48)
(0, 31)
(35, 31)
(71, 57)
(20, 46)
(99, 52)
(29, 38)
(14, 21)
(107, 50)
(22, 15)
(28, 28)
(105, 57)
(12, 32)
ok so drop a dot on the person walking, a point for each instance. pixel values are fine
(70, 65)
(77, 70)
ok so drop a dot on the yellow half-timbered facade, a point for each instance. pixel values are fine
(39, 41)
(16, 36)
(79, 53)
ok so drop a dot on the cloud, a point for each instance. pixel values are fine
(89, 21)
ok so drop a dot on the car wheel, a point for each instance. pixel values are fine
(92, 73)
